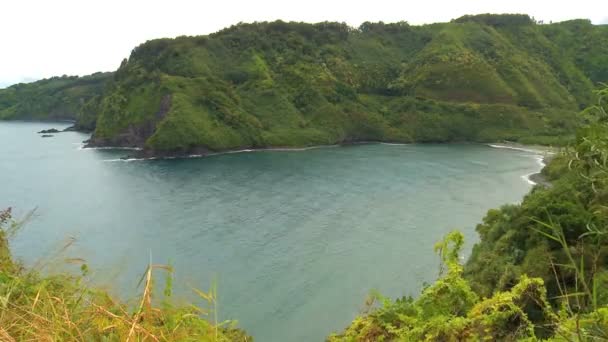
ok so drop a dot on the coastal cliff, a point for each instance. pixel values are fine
(482, 78)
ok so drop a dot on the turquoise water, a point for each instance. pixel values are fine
(295, 240)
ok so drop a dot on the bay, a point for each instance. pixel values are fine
(294, 239)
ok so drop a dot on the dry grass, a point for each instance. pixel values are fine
(63, 308)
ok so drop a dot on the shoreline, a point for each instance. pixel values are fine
(204, 155)
(543, 155)
(207, 153)
(201, 152)
(538, 149)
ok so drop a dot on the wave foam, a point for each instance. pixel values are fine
(272, 149)
(126, 160)
(83, 147)
(523, 149)
(538, 156)
(528, 179)
(394, 144)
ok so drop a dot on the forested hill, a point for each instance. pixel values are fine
(538, 273)
(477, 78)
(53, 98)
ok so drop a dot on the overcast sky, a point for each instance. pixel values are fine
(76, 37)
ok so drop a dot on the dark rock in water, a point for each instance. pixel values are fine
(46, 131)
(47, 135)
(78, 128)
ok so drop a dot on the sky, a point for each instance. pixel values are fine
(78, 37)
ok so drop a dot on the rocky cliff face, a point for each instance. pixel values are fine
(136, 134)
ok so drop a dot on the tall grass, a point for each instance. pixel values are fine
(63, 307)
(583, 317)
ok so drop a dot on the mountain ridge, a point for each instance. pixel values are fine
(55, 98)
(477, 78)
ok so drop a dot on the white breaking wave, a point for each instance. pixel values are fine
(82, 147)
(540, 160)
(394, 144)
(118, 160)
(527, 178)
(248, 150)
(530, 150)
(270, 149)
(538, 156)
(541, 163)
(127, 159)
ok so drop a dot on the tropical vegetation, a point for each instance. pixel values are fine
(477, 78)
(540, 270)
(56, 98)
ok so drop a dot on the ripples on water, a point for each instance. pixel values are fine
(296, 239)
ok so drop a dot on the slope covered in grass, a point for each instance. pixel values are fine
(477, 78)
(56, 98)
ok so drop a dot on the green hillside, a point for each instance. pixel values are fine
(477, 78)
(538, 273)
(56, 98)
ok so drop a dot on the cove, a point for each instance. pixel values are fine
(295, 239)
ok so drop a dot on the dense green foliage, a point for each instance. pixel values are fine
(540, 269)
(56, 98)
(65, 308)
(478, 78)
(514, 238)
(449, 310)
(558, 235)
